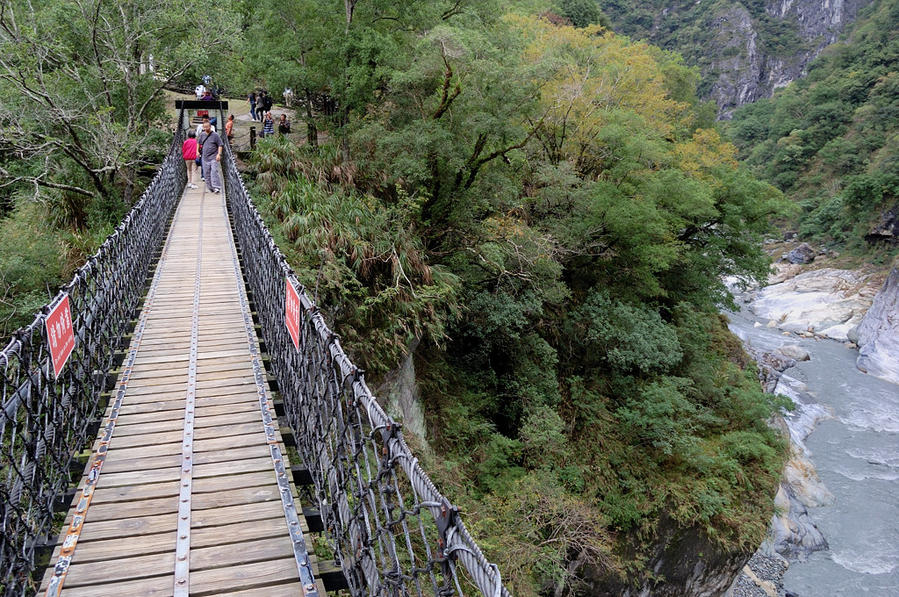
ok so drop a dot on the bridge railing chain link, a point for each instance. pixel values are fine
(46, 421)
(388, 527)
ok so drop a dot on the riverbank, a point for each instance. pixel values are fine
(824, 525)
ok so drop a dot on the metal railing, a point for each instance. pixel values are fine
(389, 528)
(45, 421)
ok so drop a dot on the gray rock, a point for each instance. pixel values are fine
(886, 229)
(878, 333)
(770, 365)
(794, 351)
(802, 254)
(401, 392)
(741, 66)
(829, 301)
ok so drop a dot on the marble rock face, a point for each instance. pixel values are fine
(825, 302)
(878, 333)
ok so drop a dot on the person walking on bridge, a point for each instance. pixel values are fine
(211, 149)
(189, 153)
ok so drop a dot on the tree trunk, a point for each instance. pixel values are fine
(311, 129)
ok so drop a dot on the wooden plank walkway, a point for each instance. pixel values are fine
(187, 500)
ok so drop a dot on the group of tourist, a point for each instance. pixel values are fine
(263, 101)
(260, 109)
(203, 146)
(204, 149)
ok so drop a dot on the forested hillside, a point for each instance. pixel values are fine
(541, 215)
(533, 212)
(831, 140)
(82, 127)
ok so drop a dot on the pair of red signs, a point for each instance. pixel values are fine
(60, 334)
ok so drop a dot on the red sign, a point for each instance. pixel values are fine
(60, 334)
(292, 312)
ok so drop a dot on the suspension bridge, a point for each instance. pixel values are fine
(180, 420)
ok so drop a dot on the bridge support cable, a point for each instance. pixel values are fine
(391, 531)
(46, 420)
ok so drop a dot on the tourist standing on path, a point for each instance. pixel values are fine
(211, 148)
(229, 129)
(260, 106)
(189, 153)
(200, 126)
(252, 99)
(267, 103)
(284, 125)
(268, 126)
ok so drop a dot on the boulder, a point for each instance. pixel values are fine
(828, 301)
(783, 272)
(878, 333)
(886, 229)
(794, 351)
(770, 365)
(801, 254)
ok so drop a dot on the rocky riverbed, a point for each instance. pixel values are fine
(802, 330)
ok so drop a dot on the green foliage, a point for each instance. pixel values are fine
(829, 140)
(543, 213)
(583, 12)
(624, 337)
(31, 267)
(361, 261)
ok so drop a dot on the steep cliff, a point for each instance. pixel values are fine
(745, 49)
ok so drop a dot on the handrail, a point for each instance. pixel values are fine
(390, 529)
(371, 491)
(45, 421)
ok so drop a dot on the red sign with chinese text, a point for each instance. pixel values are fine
(292, 312)
(60, 334)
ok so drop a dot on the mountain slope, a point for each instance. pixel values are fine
(831, 140)
(745, 49)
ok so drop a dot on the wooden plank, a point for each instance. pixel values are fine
(200, 501)
(250, 438)
(240, 396)
(163, 564)
(160, 586)
(208, 485)
(211, 419)
(183, 358)
(230, 365)
(176, 411)
(229, 534)
(115, 464)
(247, 576)
(124, 569)
(292, 589)
(261, 550)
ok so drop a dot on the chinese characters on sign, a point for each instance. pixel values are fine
(292, 312)
(60, 334)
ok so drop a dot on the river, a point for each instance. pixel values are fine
(855, 448)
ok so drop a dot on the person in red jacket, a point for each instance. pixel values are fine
(189, 153)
